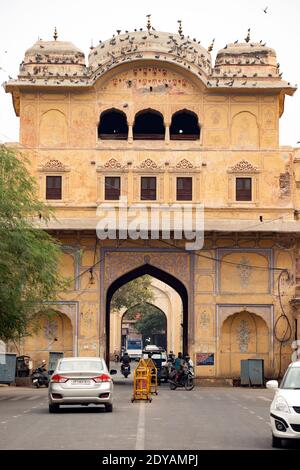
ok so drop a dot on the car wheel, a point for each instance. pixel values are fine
(53, 407)
(276, 442)
(108, 408)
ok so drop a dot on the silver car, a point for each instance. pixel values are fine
(81, 381)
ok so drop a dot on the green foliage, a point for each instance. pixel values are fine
(152, 320)
(133, 293)
(28, 256)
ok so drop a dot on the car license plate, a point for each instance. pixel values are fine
(80, 382)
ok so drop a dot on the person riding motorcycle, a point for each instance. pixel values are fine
(189, 362)
(125, 360)
(179, 365)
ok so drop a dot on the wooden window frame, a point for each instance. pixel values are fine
(149, 190)
(59, 190)
(180, 197)
(243, 191)
(112, 189)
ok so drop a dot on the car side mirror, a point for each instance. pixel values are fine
(272, 384)
(113, 372)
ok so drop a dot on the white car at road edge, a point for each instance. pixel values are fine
(285, 407)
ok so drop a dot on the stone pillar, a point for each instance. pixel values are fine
(167, 133)
(130, 133)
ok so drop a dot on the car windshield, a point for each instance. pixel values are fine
(81, 366)
(154, 355)
(291, 380)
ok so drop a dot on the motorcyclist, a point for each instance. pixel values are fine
(189, 362)
(125, 360)
(179, 364)
(171, 357)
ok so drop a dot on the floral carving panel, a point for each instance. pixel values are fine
(120, 263)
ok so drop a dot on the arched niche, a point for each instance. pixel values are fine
(244, 130)
(243, 335)
(53, 129)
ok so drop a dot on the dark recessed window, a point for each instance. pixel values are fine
(148, 188)
(53, 187)
(149, 125)
(113, 125)
(243, 189)
(184, 189)
(112, 188)
(184, 126)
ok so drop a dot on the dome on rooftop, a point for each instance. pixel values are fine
(52, 57)
(55, 48)
(151, 45)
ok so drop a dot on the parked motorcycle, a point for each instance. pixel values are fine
(125, 370)
(40, 376)
(186, 379)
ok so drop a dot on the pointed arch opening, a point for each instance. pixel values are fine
(184, 126)
(149, 125)
(113, 125)
(146, 321)
(161, 275)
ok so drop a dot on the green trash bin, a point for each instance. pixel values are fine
(252, 372)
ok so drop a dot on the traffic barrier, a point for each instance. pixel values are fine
(141, 383)
(153, 375)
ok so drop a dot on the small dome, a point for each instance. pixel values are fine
(52, 58)
(246, 59)
(62, 49)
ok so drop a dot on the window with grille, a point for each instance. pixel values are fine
(148, 188)
(184, 189)
(53, 187)
(112, 188)
(243, 189)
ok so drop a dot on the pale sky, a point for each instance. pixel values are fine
(80, 21)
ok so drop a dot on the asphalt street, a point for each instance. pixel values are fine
(205, 418)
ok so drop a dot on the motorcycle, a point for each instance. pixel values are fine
(186, 379)
(40, 377)
(125, 370)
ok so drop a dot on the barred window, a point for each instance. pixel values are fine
(243, 189)
(184, 189)
(53, 187)
(112, 188)
(148, 188)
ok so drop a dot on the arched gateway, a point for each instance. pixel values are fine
(120, 267)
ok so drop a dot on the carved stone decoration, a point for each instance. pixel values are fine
(184, 164)
(148, 164)
(119, 263)
(243, 336)
(54, 165)
(243, 166)
(244, 269)
(112, 163)
(50, 329)
(285, 184)
(204, 320)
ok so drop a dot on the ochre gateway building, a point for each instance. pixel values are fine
(152, 118)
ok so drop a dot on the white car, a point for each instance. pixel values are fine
(285, 407)
(81, 381)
